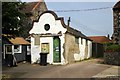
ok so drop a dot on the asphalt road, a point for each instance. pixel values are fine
(84, 69)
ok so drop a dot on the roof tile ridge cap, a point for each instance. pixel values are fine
(37, 4)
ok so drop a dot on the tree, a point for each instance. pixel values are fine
(14, 22)
(8, 0)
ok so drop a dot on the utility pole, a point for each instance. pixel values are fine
(69, 20)
(108, 36)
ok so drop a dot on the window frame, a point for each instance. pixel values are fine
(28, 50)
(47, 27)
(19, 47)
(6, 49)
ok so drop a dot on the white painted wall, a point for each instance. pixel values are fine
(35, 50)
(47, 18)
(82, 48)
(81, 55)
(48, 40)
(62, 38)
(89, 49)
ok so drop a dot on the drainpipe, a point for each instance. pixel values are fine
(96, 49)
(4, 52)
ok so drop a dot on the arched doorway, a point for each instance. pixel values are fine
(56, 49)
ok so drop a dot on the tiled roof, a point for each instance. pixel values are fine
(117, 5)
(34, 5)
(18, 40)
(100, 39)
(76, 32)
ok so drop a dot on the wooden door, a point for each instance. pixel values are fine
(56, 49)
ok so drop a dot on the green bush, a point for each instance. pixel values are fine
(112, 47)
(108, 43)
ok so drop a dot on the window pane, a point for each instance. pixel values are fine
(81, 41)
(9, 48)
(77, 40)
(86, 42)
(17, 48)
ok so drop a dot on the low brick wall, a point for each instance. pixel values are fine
(112, 58)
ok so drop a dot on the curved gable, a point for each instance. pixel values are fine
(48, 17)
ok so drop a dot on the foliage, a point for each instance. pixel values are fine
(8, 0)
(13, 20)
(108, 43)
(112, 47)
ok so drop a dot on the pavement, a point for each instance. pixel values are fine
(93, 68)
(111, 72)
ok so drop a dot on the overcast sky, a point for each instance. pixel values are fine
(91, 23)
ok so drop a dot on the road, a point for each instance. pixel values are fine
(83, 69)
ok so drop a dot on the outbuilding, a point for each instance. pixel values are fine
(16, 50)
(98, 45)
(62, 43)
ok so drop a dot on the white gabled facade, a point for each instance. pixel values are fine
(38, 28)
(51, 38)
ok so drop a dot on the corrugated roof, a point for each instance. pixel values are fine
(100, 39)
(18, 40)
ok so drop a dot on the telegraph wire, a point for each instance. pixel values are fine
(82, 26)
(82, 10)
(86, 28)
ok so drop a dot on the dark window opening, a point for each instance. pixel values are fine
(47, 27)
(86, 42)
(81, 41)
(9, 48)
(77, 40)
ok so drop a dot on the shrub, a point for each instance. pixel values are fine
(112, 47)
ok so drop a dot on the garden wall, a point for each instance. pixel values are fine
(112, 58)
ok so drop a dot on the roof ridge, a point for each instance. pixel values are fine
(96, 36)
(37, 4)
